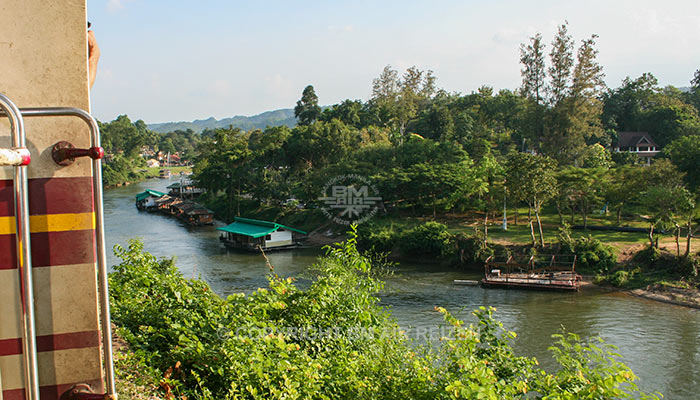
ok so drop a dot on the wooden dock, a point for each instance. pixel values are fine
(542, 272)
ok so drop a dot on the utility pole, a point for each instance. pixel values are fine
(505, 215)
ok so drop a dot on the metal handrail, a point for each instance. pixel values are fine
(24, 253)
(99, 231)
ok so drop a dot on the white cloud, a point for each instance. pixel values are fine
(116, 5)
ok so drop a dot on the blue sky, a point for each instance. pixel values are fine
(183, 60)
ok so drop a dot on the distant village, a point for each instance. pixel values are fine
(160, 159)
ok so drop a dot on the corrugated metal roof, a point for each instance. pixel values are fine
(148, 193)
(255, 228)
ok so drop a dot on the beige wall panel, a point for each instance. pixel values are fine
(10, 320)
(12, 376)
(43, 59)
(64, 299)
(52, 370)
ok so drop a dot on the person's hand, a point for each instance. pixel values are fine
(93, 56)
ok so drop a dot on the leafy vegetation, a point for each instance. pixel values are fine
(126, 145)
(332, 340)
(434, 155)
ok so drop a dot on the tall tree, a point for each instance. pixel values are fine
(531, 179)
(558, 118)
(533, 72)
(397, 100)
(623, 107)
(533, 75)
(684, 153)
(562, 60)
(385, 93)
(695, 90)
(307, 110)
(586, 89)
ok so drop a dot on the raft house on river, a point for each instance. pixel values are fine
(252, 235)
(147, 200)
(541, 272)
(188, 211)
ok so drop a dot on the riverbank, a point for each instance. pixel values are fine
(653, 336)
(668, 294)
(140, 175)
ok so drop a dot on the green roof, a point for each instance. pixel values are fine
(255, 228)
(148, 193)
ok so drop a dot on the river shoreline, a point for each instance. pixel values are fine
(676, 296)
(664, 294)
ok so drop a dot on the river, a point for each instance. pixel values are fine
(660, 342)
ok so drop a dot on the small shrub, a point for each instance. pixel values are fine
(623, 276)
(591, 253)
(648, 257)
(429, 239)
(378, 238)
(472, 249)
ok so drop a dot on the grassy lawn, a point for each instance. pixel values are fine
(154, 172)
(520, 233)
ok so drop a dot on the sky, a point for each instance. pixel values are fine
(183, 60)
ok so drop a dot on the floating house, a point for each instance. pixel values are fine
(147, 200)
(185, 188)
(192, 213)
(541, 272)
(164, 174)
(251, 234)
(164, 203)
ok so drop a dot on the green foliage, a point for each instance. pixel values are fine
(622, 158)
(329, 341)
(622, 277)
(429, 239)
(307, 110)
(684, 153)
(589, 370)
(591, 253)
(473, 249)
(648, 257)
(120, 170)
(378, 237)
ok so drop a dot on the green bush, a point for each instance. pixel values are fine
(623, 276)
(377, 238)
(592, 255)
(648, 257)
(331, 340)
(472, 249)
(429, 239)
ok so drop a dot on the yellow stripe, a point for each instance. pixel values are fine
(51, 223)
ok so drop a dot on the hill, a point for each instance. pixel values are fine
(260, 121)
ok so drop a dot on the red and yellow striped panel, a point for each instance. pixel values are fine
(62, 224)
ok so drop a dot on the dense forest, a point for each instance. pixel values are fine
(430, 152)
(545, 147)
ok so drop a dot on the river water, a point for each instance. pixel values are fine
(660, 342)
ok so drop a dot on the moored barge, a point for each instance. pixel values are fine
(542, 272)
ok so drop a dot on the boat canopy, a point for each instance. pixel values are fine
(148, 193)
(255, 228)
